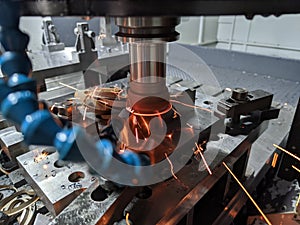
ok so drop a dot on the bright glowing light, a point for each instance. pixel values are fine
(68, 86)
(149, 114)
(40, 157)
(295, 168)
(84, 113)
(287, 152)
(199, 150)
(274, 161)
(127, 219)
(136, 135)
(171, 166)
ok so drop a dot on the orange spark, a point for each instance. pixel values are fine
(298, 201)
(189, 125)
(247, 193)
(169, 136)
(274, 161)
(171, 165)
(52, 107)
(199, 150)
(40, 157)
(295, 168)
(287, 152)
(173, 174)
(94, 91)
(175, 113)
(146, 125)
(136, 135)
(191, 106)
(127, 219)
(84, 113)
(149, 114)
(68, 86)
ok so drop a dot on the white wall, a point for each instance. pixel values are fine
(198, 30)
(274, 36)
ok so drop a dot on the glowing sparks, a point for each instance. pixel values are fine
(171, 166)
(287, 152)
(93, 93)
(45, 167)
(191, 106)
(199, 151)
(136, 135)
(84, 113)
(127, 219)
(176, 113)
(189, 125)
(169, 136)
(52, 107)
(247, 193)
(68, 86)
(129, 109)
(298, 201)
(40, 157)
(295, 168)
(145, 125)
(274, 161)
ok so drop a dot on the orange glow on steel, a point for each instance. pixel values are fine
(247, 193)
(202, 156)
(287, 152)
(149, 114)
(295, 168)
(274, 161)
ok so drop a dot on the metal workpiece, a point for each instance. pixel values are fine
(97, 205)
(239, 94)
(247, 109)
(4, 122)
(242, 102)
(84, 40)
(293, 145)
(51, 40)
(262, 160)
(194, 184)
(57, 183)
(11, 142)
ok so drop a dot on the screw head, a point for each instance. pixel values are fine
(239, 94)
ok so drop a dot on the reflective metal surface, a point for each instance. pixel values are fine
(57, 183)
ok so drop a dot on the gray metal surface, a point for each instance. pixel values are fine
(281, 68)
(57, 185)
(12, 143)
(278, 76)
